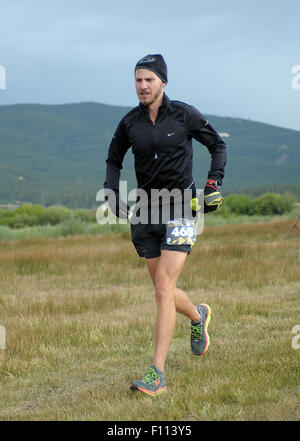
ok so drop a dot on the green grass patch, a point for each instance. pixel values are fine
(79, 313)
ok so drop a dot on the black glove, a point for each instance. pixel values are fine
(212, 196)
(118, 207)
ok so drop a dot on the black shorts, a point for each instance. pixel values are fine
(150, 239)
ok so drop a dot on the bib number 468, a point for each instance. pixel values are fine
(183, 231)
(180, 232)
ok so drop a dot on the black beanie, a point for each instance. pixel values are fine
(156, 64)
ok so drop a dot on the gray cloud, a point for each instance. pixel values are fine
(227, 58)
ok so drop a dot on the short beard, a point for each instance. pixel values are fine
(154, 98)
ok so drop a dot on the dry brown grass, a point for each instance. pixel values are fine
(79, 315)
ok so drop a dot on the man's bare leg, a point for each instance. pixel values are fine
(168, 269)
(164, 272)
(182, 302)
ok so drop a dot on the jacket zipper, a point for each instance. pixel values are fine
(155, 153)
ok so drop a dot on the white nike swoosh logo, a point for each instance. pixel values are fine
(170, 134)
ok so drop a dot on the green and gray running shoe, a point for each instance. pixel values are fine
(199, 335)
(152, 383)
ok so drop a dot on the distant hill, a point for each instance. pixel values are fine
(52, 154)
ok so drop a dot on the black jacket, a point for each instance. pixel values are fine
(163, 151)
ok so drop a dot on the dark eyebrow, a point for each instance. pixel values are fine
(146, 78)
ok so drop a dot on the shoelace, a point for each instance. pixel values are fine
(197, 330)
(150, 376)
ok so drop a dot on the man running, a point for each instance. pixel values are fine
(160, 133)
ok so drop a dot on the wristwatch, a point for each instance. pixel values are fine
(214, 182)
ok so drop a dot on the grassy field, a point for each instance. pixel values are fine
(79, 317)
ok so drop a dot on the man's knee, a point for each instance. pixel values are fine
(164, 290)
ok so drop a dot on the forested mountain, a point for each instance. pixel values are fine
(55, 154)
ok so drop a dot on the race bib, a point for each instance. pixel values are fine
(181, 232)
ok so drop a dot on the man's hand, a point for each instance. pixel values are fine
(212, 196)
(119, 208)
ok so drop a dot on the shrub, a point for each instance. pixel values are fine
(239, 204)
(267, 204)
(25, 215)
(272, 203)
(55, 215)
(5, 215)
(86, 215)
(30, 210)
(71, 227)
(29, 215)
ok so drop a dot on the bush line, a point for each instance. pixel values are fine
(29, 215)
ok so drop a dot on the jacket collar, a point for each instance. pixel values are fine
(165, 103)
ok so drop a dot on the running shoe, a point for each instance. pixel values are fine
(152, 383)
(199, 335)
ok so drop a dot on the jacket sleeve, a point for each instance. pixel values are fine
(114, 164)
(200, 129)
(116, 152)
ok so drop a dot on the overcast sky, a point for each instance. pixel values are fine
(228, 58)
